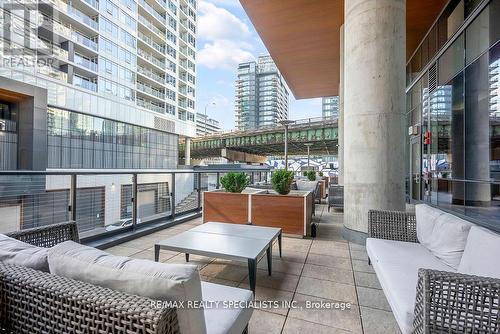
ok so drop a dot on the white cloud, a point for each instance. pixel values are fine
(227, 39)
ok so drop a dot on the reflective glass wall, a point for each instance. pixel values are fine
(455, 102)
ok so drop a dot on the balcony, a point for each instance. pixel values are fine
(142, 87)
(53, 73)
(79, 60)
(84, 83)
(150, 105)
(149, 41)
(151, 26)
(151, 75)
(79, 38)
(152, 59)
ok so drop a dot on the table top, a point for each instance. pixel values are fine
(246, 231)
(216, 245)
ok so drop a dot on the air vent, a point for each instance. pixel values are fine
(164, 124)
(432, 78)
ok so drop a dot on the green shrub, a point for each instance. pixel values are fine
(320, 174)
(235, 182)
(305, 173)
(282, 180)
(311, 175)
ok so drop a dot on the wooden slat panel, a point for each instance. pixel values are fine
(224, 207)
(285, 212)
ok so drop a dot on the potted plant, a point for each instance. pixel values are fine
(320, 174)
(281, 181)
(311, 175)
(235, 182)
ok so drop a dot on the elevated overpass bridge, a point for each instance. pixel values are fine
(255, 145)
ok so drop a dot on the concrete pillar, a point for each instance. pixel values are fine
(340, 123)
(374, 103)
(187, 153)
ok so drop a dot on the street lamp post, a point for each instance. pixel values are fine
(286, 123)
(206, 118)
(308, 145)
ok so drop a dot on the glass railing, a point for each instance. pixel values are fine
(92, 3)
(151, 58)
(148, 105)
(53, 73)
(75, 13)
(77, 37)
(150, 74)
(150, 90)
(84, 83)
(85, 63)
(152, 11)
(151, 26)
(150, 42)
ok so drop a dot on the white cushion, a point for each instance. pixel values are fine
(396, 264)
(482, 253)
(13, 251)
(155, 280)
(226, 318)
(449, 238)
(426, 220)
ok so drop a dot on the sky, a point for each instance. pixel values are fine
(226, 37)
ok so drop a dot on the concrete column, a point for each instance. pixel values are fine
(340, 124)
(374, 102)
(187, 153)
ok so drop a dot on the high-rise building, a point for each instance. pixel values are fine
(87, 84)
(261, 95)
(119, 73)
(206, 125)
(330, 106)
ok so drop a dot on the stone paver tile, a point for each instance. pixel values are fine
(354, 246)
(346, 319)
(362, 265)
(291, 256)
(327, 289)
(326, 273)
(200, 261)
(219, 281)
(278, 280)
(225, 271)
(335, 248)
(265, 323)
(297, 326)
(122, 250)
(374, 298)
(329, 261)
(368, 280)
(149, 254)
(278, 265)
(359, 255)
(378, 321)
(267, 294)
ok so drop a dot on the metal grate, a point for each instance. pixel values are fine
(164, 124)
(432, 78)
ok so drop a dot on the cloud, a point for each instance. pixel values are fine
(226, 38)
(225, 3)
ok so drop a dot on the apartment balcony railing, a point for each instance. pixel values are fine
(149, 57)
(149, 41)
(75, 13)
(152, 11)
(150, 90)
(150, 106)
(84, 83)
(77, 37)
(53, 73)
(92, 3)
(151, 26)
(150, 74)
(85, 63)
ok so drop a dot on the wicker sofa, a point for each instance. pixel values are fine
(33, 301)
(425, 294)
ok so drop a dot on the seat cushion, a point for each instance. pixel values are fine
(13, 251)
(426, 220)
(396, 264)
(448, 239)
(226, 318)
(155, 280)
(482, 253)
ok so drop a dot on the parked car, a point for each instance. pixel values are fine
(121, 224)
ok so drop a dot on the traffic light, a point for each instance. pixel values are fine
(427, 137)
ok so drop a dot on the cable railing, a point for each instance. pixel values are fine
(106, 202)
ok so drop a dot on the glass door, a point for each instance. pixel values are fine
(415, 170)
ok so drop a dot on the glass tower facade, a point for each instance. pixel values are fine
(453, 113)
(330, 106)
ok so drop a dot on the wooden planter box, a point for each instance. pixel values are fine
(292, 213)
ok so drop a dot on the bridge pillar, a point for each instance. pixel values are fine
(374, 92)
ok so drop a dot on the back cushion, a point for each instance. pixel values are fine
(448, 239)
(155, 280)
(13, 251)
(426, 220)
(482, 253)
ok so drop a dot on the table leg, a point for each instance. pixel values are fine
(279, 242)
(157, 253)
(187, 257)
(269, 252)
(252, 273)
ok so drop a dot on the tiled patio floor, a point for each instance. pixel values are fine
(325, 268)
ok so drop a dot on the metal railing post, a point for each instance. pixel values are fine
(172, 196)
(199, 191)
(72, 198)
(218, 181)
(252, 178)
(134, 201)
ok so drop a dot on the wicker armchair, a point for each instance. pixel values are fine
(446, 302)
(32, 301)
